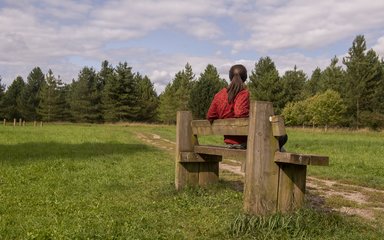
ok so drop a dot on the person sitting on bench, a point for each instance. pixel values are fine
(233, 102)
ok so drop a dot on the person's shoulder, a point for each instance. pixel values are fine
(244, 92)
(222, 91)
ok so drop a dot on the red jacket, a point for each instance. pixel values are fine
(220, 109)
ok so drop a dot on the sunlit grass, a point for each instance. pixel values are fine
(355, 156)
(101, 182)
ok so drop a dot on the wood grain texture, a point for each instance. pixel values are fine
(185, 173)
(208, 173)
(261, 173)
(291, 187)
(235, 154)
(278, 127)
(196, 157)
(301, 159)
(229, 126)
(274, 181)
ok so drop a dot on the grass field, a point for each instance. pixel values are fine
(102, 182)
(355, 156)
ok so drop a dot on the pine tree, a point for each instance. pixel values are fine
(372, 114)
(312, 86)
(11, 99)
(332, 78)
(105, 72)
(379, 91)
(203, 91)
(30, 96)
(63, 105)
(85, 97)
(174, 98)
(167, 105)
(2, 93)
(189, 72)
(176, 95)
(148, 100)
(182, 85)
(48, 107)
(293, 83)
(265, 83)
(121, 95)
(374, 93)
(363, 75)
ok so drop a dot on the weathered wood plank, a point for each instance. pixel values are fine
(195, 157)
(291, 187)
(235, 154)
(208, 173)
(190, 157)
(185, 173)
(301, 159)
(278, 127)
(229, 126)
(261, 172)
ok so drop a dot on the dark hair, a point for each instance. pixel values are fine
(237, 76)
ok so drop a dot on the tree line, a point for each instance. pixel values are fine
(347, 95)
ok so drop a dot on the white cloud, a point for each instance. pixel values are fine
(303, 24)
(201, 28)
(379, 47)
(51, 33)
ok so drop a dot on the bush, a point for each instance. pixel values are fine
(372, 120)
(326, 109)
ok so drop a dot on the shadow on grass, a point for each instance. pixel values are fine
(25, 152)
(236, 185)
(314, 201)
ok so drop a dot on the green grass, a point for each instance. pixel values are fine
(355, 157)
(303, 224)
(101, 182)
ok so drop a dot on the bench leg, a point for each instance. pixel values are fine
(186, 174)
(291, 190)
(208, 173)
(196, 174)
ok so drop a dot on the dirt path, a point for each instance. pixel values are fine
(327, 195)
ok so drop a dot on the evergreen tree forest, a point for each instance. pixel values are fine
(347, 93)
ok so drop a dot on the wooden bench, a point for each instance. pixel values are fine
(274, 181)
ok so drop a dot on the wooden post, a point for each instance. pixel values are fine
(14, 122)
(200, 170)
(278, 127)
(19, 121)
(261, 173)
(24, 123)
(34, 123)
(186, 173)
(41, 123)
(5, 122)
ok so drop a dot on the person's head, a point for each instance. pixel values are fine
(238, 70)
(237, 76)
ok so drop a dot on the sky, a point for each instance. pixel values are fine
(158, 37)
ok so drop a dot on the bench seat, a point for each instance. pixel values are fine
(280, 157)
